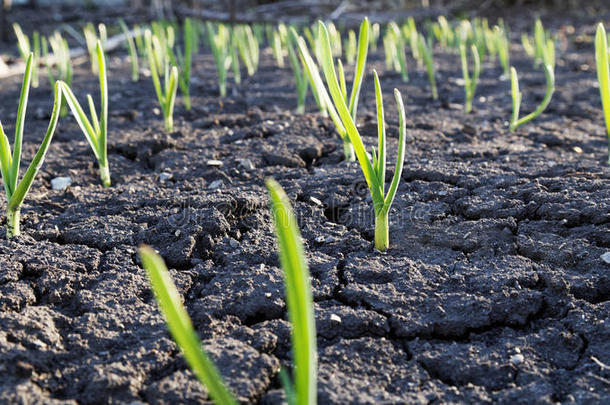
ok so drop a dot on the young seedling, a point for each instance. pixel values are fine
(220, 49)
(277, 44)
(503, 45)
(470, 83)
(166, 94)
(61, 54)
(350, 47)
(10, 161)
(95, 130)
(234, 52)
(603, 75)
(300, 73)
(374, 171)
(183, 61)
(335, 40)
(247, 45)
(399, 46)
(517, 97)
(374, 36)
(299, 302)
(426, 53)
(26, 47)
(181, 327)
(318, 84)
(133, 53)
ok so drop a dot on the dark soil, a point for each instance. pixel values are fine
(493, 289)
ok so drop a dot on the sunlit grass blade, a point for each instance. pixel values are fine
(517, 97)
(374, 172)
(10, 161)
(166, 93)
(426, 54)
(95, 130)
(299, 298)
(603, 75)
(470, 83)
(180, 326)
(131, 49)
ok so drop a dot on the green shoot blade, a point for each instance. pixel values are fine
(19, 125)
(181, 328)
(5, 162)
(381, 141)
(401, 153)
(28, 178)
(363, 48)
(346, 119)
(603, 75)
(298, 295)
(342, 85)
(81, 118)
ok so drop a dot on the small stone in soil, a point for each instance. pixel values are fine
(517, 359)
(335, 318)
(163, 177)
(316, 201)
(60, 183)
(246, 164)
(606, 257)
(216, 184)
(214, 163)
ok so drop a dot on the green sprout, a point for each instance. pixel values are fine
(234, 52)
(276, 44)
(183, 61)
(399, 53)
(603, 75)
(91, 39)
(300, 73)
(350, 47)
(374, 171)
(318, 84)
(61, 55)
(517, 96)
(374, 36)
(410, 32)
(548, 59)
(220, 49)
(503, 46)
(95, 130)
(10, 161)
(299, 302)
(470, 83)
(166, 94)
(248, 48)
(426, 53)
(335, 40)
(26, 47)
(528, 46)
(133, 53)
(181, 327)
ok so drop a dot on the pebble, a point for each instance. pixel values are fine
(316, 201)
(577, 149)
(246, 164)
(214, 163)
(606, 257)
(216, 184)
(165, 176)
(335, 318)
(517, 359)
(61, 183)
